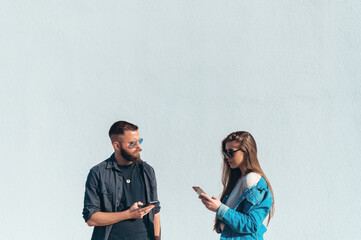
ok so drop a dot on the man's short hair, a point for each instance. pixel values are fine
(119, 127)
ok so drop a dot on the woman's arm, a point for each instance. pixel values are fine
(244, 223)
(239, 222)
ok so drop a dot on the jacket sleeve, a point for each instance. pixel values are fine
(260, 203)
(154, 192)
(91, 198)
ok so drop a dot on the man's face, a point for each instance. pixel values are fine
(127, 141)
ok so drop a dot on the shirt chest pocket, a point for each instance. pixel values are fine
(106, 195)
(106, 189)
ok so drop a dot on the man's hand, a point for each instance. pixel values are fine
(136, 212)
(210, 203)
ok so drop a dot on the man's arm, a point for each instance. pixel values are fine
(157, 232)
(108, 218)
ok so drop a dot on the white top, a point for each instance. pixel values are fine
(249, 180)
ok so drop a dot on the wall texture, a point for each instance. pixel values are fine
(188, 73)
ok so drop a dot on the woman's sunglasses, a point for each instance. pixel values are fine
(230, 153)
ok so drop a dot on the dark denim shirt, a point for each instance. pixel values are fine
(103, 192)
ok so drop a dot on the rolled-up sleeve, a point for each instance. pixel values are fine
(221, 211)
(91, 198)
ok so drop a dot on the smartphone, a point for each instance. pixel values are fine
(151, 203)
(198, 190)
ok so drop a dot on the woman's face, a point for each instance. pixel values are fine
(236, 160)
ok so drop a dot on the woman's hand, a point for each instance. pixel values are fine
(212, 203)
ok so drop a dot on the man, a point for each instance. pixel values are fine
(118, 189)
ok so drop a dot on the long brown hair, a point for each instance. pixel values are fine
(230, 176)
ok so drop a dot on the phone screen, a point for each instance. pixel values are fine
(151, 203)
(198, 190)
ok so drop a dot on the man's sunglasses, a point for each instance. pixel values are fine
(230, 153)
(133, 144)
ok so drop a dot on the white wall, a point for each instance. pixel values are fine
(187, 73)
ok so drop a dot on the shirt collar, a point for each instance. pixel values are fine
(112, 163)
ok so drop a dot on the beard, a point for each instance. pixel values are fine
(131, 158)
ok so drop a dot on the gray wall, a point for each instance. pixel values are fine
(188, 73)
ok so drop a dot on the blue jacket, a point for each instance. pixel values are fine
(246, 222)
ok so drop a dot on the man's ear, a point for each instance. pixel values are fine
(116, 146)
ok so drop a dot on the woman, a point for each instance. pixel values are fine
(247, 196)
